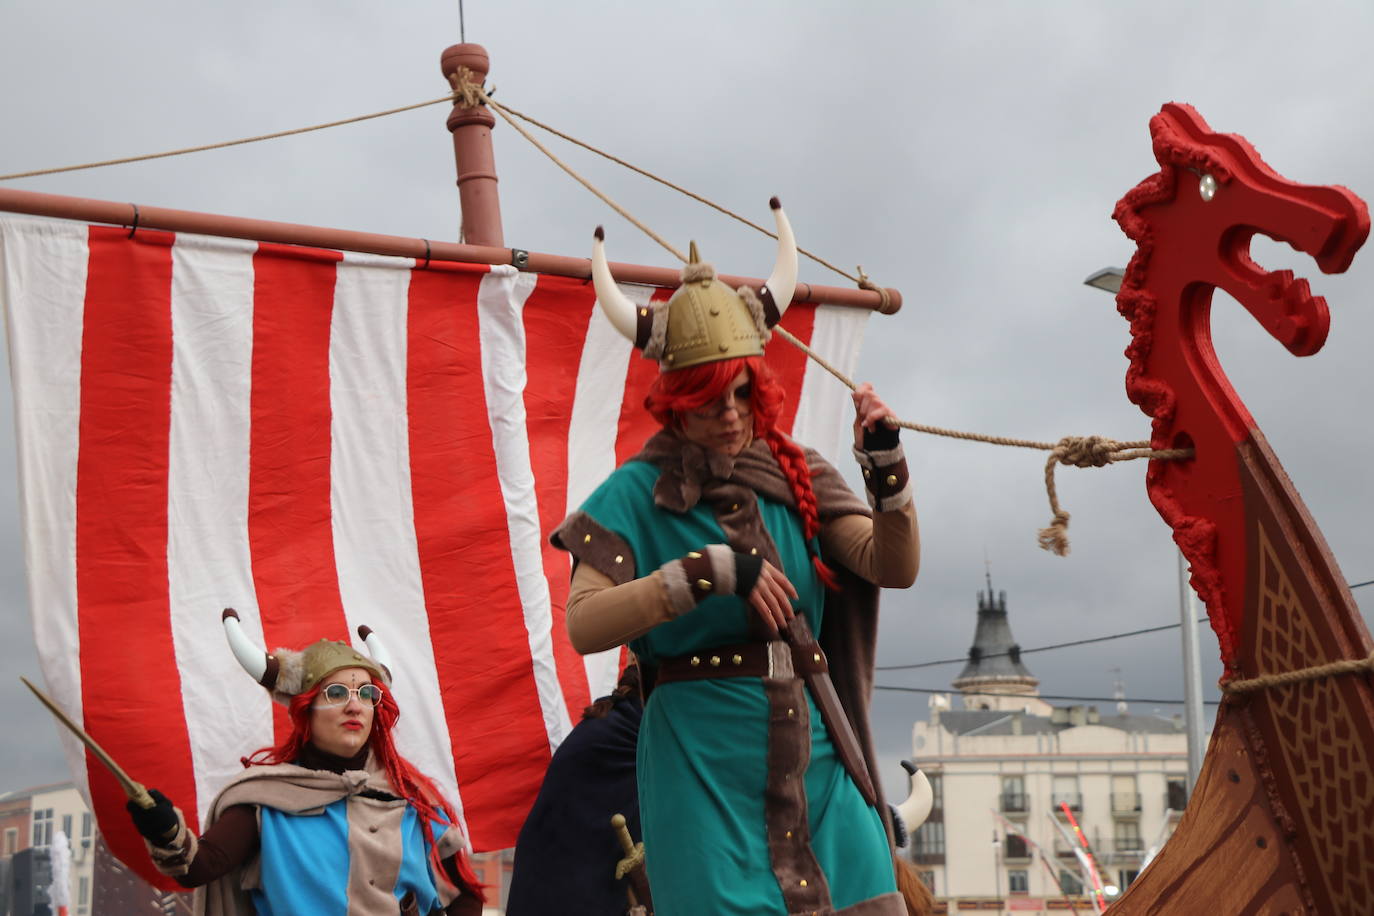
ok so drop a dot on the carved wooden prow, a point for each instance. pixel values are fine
(1280, 820)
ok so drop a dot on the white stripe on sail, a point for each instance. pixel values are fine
(825, 413)
(500, 302)
(591, 439)
(43, 290)
(375, 548)
(208, 562)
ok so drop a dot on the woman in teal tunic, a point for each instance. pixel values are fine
(715, 554)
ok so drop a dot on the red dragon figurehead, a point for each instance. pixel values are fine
(1192, 222)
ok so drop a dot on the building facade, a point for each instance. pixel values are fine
(1018, 781)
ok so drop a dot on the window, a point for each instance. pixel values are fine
(1126, 876)
(1066, 793)
(928, 879)
(1127, 837)
(1016, 846)
(937, 793)
(42, 827)
(1176, 794)
(1125, 798)
(85, 826)
(1018, 882)
(1070, 883)
(1014, 794)
(11, 841)
(83, 892)
(929, 843)
(67, 827)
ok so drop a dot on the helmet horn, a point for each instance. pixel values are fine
(919, 801)
(617, 306)
(260, 666)
(376, 649)
(782, 283)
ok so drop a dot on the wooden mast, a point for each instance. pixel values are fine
(472, 152)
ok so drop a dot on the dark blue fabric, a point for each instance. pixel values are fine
(566, 855)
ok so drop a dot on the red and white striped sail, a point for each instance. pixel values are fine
(320, 440)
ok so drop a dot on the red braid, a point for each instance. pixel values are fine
(687, 389)
(408, 782)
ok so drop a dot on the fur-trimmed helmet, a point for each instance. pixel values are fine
(286, 673)
(705, 321)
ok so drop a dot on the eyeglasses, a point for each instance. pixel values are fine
(738, 399)
(339, 694)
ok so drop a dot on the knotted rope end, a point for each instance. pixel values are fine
(1055, 538)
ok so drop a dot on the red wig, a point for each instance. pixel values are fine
(412, 785)
(680, 390)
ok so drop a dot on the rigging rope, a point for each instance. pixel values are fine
(1079, 451)
(210, 146)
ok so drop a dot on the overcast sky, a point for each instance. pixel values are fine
(968, 154)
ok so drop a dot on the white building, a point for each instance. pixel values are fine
(1004, 765)
(53, 809)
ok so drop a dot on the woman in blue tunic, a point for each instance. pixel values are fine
(716, 554)
(331, 821)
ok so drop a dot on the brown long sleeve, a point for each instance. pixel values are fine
(230, 841)
(885, 550)
(602, 615)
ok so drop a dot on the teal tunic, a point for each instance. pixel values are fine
(702, 754)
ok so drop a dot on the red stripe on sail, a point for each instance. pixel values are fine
(556, 316)
(290, 533)
(477, 627)
(789, 362)
(636, 423)
(130, 685)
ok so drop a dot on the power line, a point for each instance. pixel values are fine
(1043, 696)
(1062, 645)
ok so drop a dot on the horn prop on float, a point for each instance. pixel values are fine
(782, 282)
(377, 650)
(916, 808)
(260, 665)
(620, 311)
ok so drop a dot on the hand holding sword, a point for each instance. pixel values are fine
(144, 803)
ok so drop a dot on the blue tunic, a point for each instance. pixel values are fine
(306, 863)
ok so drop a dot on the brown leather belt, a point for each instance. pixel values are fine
(746, 659)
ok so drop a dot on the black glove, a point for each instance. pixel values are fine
(157, 824)
(881, 438)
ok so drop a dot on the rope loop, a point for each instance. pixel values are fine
(884, 298)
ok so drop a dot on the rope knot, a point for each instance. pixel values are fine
(1086, 451)
(884, 298)
(466, 93)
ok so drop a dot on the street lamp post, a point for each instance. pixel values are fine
(1109, 280)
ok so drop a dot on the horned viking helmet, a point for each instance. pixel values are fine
(287, 672)
(704, 321)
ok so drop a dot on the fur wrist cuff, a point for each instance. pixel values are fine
(709, 571)
(175, 858)
(886, 480)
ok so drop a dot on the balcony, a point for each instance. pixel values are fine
(1125, 849)
(1125, 804)
(1015, 802)
(1073, 799)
